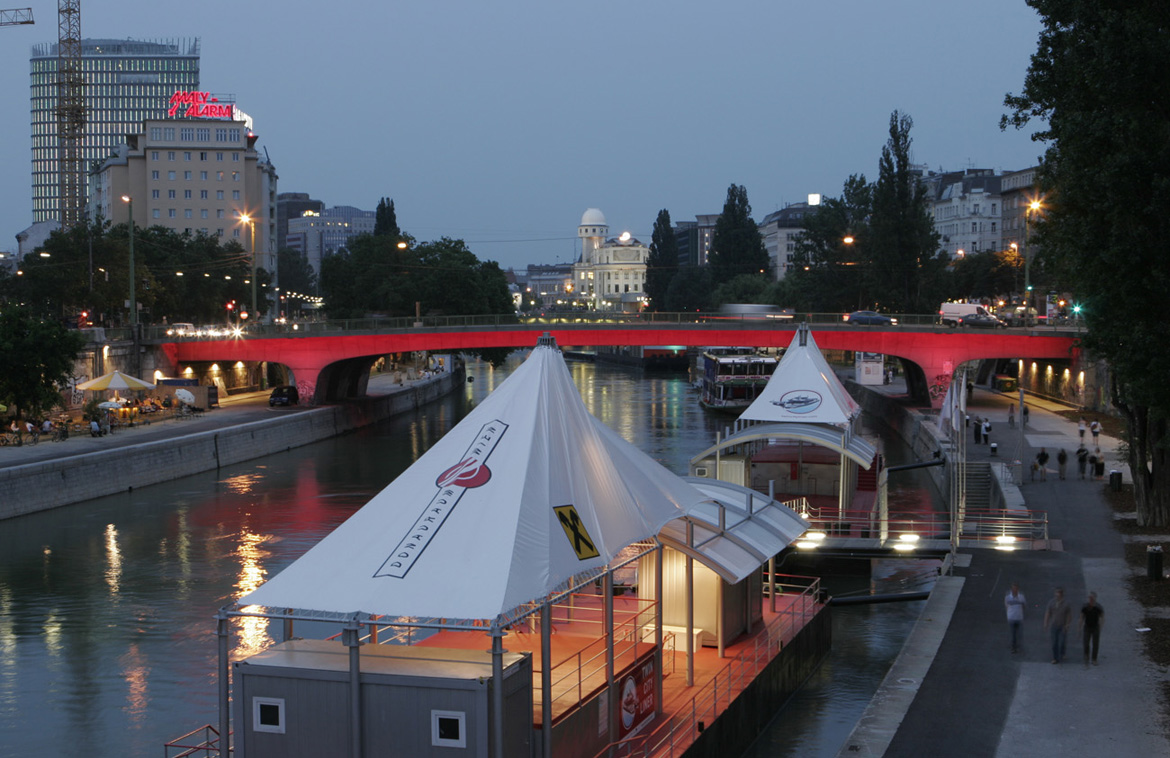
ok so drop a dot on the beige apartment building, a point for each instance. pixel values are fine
(192, 175)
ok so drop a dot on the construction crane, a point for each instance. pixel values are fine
(70, 113)
(16, 16)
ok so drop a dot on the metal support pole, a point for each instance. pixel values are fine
(690, 607)
(772, 581)
(222, 631)
(497, 691)
(610, 674)
(659, 554)
(351, 638)
(546, 677)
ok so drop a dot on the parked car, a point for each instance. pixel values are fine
(870, 318)
(983, 321)
(285, 394)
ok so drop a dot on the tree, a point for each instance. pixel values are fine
(689, 290)
(827, 272)
(386, 220)
(38, 360)
(737, 247)
(294, 272)
(902, 238)
(662, 263)
(1099, 80)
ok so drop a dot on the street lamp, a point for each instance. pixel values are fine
(246, 219)
(1033, 206)
(133, 306)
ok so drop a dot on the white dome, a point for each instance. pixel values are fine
(593, 217)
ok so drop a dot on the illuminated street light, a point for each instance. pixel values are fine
(246, 219)
(133, 306)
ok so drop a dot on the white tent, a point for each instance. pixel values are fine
(524, 495)
(803, 388)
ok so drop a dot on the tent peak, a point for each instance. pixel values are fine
(547, 340)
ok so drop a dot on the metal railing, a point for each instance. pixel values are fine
(203, 742)
(985, 525)
(681, 729)
(567, 319)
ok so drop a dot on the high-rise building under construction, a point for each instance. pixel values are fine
(126, 82)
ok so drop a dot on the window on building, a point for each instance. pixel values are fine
(235, 194)
(219, 156)
(203, 155)
(219, 213)
(203, 213)
(219, 194)
(187, 213)
(171, 194)
(187, 194)
(219, 232)
(154, 155)
(268, 712)
(235, 232)
(186, 155)
(155, 134)
(974, 227)
(234, 135)
(187, 133)
(993, 209)
(235, 176)
(221, 135)
(155, 213)
(236, 157)
(202, 134)
(171, 175)
(154, 194)
(153, 174)
(203, 175)
(171, 213)
(202, 194)
(170, 155)
(187, 175)
(219, 176)
(993, 226)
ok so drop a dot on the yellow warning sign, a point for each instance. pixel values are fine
(576, 532)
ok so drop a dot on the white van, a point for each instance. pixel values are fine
(181, 330)
(952, 314)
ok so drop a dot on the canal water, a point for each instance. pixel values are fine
(107, 642)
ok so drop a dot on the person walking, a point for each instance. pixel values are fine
(978, 430)
(1061, 462)
(1082, 460)
(1081, 428)
(1095, 428)
(1092, 619)
(1024, 416)
(1013, 603)
(1042, 464)
(1057, 618)
(1012, 416)
(986, 431)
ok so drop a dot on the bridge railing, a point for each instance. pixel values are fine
(565, 319)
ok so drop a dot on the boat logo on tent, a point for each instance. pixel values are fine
(471, 471)
(575, 531)
(799, 401)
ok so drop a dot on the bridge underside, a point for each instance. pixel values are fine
(336, 365)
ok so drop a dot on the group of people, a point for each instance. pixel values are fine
(982, 430)
(27, 426)
(1012, 416)
(1058, 617)
(1094, 462)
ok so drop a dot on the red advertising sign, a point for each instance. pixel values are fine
(199, 105)
(636, 705)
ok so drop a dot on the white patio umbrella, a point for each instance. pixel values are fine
(116, 380)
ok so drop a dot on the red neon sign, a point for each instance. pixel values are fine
(199, 105)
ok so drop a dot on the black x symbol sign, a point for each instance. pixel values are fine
(575, 531)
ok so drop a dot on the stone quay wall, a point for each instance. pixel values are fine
(75, 478)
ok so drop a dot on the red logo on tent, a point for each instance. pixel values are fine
(467, 473)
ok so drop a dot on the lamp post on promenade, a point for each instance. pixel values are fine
(246, 219)
(133, 306)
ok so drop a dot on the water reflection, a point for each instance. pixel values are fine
(113, 560)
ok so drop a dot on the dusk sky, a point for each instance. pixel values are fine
(501, 123)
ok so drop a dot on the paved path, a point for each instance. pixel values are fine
(958, 690)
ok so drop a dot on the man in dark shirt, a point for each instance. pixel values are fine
(1092, 619)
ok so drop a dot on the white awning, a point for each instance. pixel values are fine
(735, 531)
(803, 389)
(833, 438)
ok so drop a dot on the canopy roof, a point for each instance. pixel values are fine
(735, 531)
(526, 494)
(803, 389)
(845, 442)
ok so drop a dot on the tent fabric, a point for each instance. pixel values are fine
(803, 389)
(525, 494)
(115, 380)
(754, 528)
(856, 448)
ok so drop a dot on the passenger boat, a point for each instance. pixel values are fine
(732, 378)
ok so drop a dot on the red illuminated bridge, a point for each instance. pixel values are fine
(331, 360)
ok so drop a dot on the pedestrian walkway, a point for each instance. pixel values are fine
(957, 689)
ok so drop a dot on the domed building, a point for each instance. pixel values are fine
(610, 274)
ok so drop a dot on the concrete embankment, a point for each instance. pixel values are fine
(72, 477)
